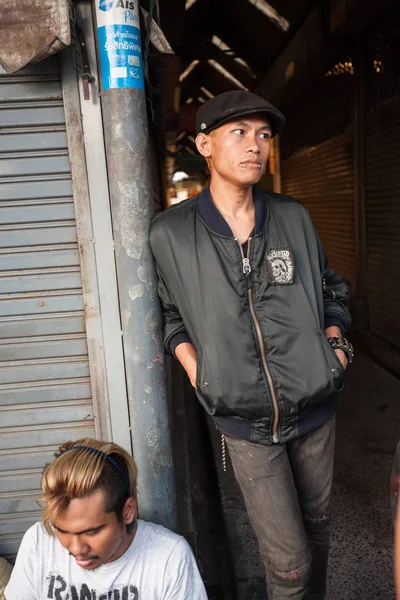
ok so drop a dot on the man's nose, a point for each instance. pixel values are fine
(253, 144)
(78, 547)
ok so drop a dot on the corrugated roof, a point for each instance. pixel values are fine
(226, 44)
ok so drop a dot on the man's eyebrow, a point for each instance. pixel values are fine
(80, 532)
(241, 123)
(246, 124)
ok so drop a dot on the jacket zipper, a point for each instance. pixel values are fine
(247, 270)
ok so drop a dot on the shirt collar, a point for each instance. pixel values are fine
(211, 216)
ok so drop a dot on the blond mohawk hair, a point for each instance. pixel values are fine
(80, 468)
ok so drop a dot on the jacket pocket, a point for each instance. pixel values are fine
(202, 388)
(334, 365)
(199, 368)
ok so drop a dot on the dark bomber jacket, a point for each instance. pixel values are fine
(255, 316)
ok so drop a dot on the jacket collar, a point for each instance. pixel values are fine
(215, 221)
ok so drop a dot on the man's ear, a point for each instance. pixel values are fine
(129, 511)
(203, 143)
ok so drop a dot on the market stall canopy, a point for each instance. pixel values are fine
(32, 30)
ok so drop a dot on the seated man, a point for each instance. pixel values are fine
(90, 545)
(5, 573)
(395, 488)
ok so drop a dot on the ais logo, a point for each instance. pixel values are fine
(105, 5)
(109, 4)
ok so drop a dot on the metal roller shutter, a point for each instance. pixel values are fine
(45, 392)
(321, 177)
(382, 177)
(317, 162)
(382, 151)
(321, 112)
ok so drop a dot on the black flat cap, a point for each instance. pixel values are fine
(238, 103)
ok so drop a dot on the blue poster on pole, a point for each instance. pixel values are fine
(119, 44)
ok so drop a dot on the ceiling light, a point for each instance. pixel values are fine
(179, 176)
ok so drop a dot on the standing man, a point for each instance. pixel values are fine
(257, 319)
(90, 545)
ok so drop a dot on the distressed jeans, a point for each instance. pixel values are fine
(286, 488)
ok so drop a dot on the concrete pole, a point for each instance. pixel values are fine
(130, 185)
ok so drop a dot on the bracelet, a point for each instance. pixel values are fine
(341, 343)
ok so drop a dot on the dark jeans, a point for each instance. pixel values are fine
(286, 488)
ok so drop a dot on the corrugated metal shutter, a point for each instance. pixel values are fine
(321, 112)
(45, 392)
(382, 147)
(322, 179)
(317, 162)
(382, 177)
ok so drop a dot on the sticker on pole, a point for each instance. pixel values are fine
(119, 44)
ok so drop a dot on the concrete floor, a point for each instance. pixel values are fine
(368, 428)
(367, 433)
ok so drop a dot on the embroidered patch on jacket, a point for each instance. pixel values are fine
(280, 266)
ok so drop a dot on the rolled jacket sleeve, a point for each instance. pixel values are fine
(174, 328)
(336, 298)
(335, 294)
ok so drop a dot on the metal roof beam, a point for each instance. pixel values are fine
(273, 15)
(238, 72)
(235, 83)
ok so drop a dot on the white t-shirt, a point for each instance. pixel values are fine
(158, 565)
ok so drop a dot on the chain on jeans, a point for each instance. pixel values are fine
(223, 452)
